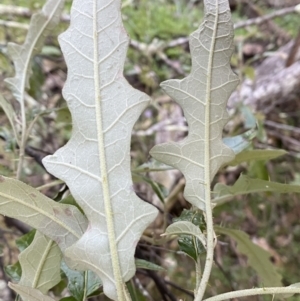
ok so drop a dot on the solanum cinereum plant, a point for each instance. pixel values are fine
(95, 163)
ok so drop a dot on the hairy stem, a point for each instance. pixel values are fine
(254, 292)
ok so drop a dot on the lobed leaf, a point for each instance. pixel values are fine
(258, 258)
(203, 95)
(95, 163)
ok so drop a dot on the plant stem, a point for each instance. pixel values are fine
(254, 292)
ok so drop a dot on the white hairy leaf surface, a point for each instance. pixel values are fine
(203, 95)
(41, 25)
(95, 163)
(40, 264)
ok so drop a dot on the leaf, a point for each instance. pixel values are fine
(258, 258)
(159, 189)
(257, 154)
(203, 95)
(14, 271)
(152, 165)
(95, 163)
(147, 265)
(185, 227)
(28, 293)
(240, 142)
(62, 223)
(41, 25)
(40, 264)
(81, 284)
(10, 114)
(25, 240)
(245, 185)
(187, 243)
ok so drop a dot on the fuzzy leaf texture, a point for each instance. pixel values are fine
(41, 25)
(95, 163)
(203, 95)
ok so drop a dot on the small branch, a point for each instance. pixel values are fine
(24, 12)
(255, 292)
(13, 24)
(263, 19)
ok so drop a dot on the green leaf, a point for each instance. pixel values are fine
(256, 155)
(81, 284)
(41, 25)
(203, 95)
(95, 163)
(147, 265)
(159, 189)
(245, 185)
(25, 240)
(10, 114)
(62, 223)
(28, 293)
(187, 243)
(135, 293)
(188, 228)
(258, 258)
(14, 271)
(40, 264)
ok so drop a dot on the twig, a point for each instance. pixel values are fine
(255, 292)
(282, 126)
(24, 12)
(263, 19)
(13, 24)
(187, 292)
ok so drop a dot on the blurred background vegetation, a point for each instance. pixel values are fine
(159, 51)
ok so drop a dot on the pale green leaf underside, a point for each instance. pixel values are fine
(40, 264)
(187, 228)
(244, 185)
(28, 293)
(63, 223)
(203, 96)
(41, 24)
(95, 163)
(258, 258)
